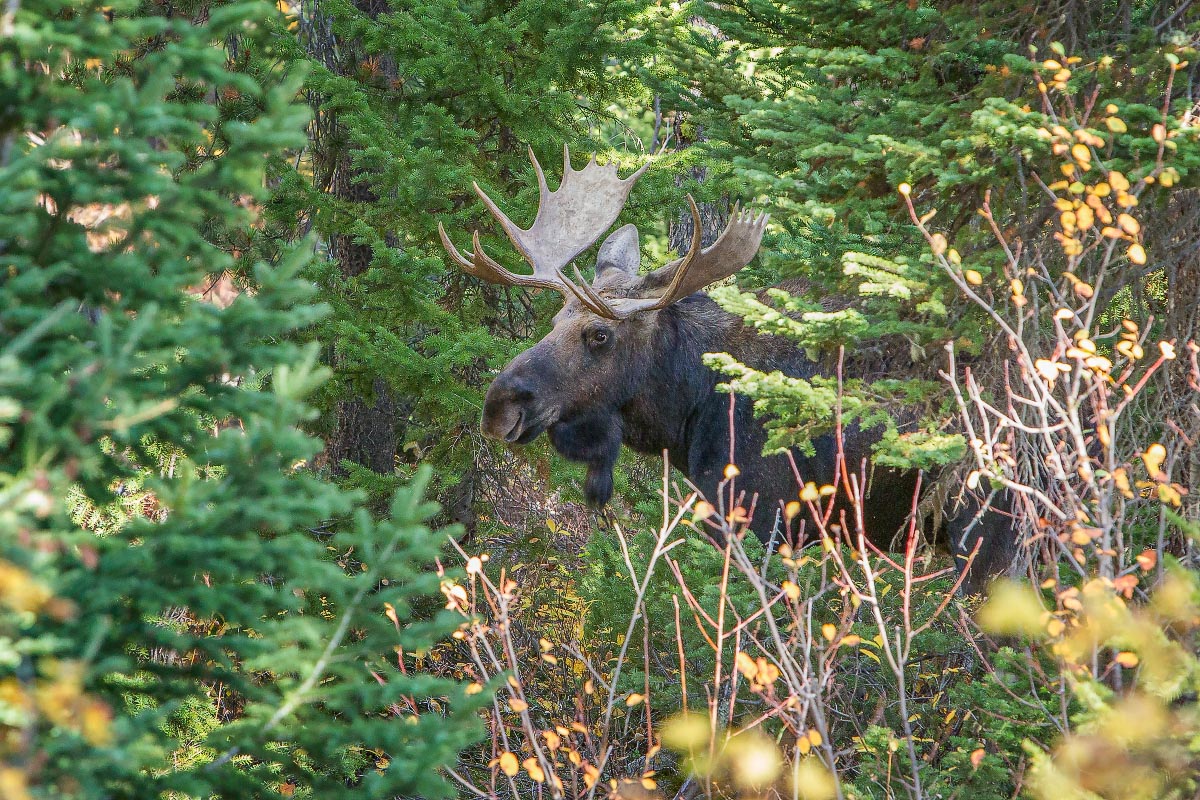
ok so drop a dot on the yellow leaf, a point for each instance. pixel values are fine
(977, 757)
(1131, 350)
(731, 471)
(938, 244)
(1127, 659)
(1116, 125)
(1011, 609)
(829, 630)
(1121, 478)
(809, 493)
(745, 665)
(96, 722)
(791, 510)
(812, 781)
(685, 732)
(1081, 153)
(634, 699)
(703, 510)
(509, 764)
(534, 769)
(791, 590)
(1153, 458)
(1050, 370)
(1084, 218)
(517, 704)
(1169, 494)
(973, 277)
(1137, 254)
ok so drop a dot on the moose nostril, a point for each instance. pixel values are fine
(512, 389)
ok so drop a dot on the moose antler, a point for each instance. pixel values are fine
(569, 220)
(573, 217)
(700, 267)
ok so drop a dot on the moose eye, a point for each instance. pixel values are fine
(597, 337)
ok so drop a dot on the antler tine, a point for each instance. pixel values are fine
(670, 293)
(569, 220)
(510, 228)
(733, 250)
(588, 296)
(543, 189)
(595, 301)
(481, 265)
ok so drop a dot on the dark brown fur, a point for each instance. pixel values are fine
(593, 384)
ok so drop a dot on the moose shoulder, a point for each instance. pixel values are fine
(623, 365)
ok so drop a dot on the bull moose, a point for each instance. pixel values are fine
(623, 365)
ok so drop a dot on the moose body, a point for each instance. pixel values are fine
(623, 365)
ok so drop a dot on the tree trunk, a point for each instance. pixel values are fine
(365, 429)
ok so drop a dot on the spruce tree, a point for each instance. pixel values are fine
(185, 609)
(411, 106)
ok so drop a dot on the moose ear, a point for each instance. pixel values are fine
(621, 250)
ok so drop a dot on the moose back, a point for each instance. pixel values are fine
(623, 365)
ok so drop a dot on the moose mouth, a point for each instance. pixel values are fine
(524, 430)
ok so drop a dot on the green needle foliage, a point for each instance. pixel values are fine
(184, 609)
(837, 106)
(411, 107)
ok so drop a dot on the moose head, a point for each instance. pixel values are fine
(578, 382)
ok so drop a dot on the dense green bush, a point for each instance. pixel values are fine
(184, 608)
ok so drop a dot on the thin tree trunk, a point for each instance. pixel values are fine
(365, 431)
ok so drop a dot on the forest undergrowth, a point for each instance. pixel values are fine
(234, 363)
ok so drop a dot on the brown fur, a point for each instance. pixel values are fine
(646, 387)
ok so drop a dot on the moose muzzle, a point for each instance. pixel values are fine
(510, 412)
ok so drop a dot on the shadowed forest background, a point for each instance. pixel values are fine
(253, 543)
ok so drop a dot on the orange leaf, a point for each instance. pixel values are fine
(1147, 559)
(509, 764)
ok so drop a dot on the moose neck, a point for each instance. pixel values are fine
(678, 399)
